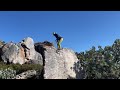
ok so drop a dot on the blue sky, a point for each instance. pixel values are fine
(81, 29)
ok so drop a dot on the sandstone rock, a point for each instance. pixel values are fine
(62, 64)
(37, 59)
(59, 65)
(32, 54)
(17, 53)
(10, 53)
(20, 56)
(29, 42)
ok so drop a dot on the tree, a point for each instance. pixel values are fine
(103, 63)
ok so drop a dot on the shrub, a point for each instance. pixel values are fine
(7, 73)
(21, 68)
(17, 68)
(103, 63)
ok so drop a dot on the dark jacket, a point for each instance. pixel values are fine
(58, 37)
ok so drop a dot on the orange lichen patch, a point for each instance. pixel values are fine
(22, 53)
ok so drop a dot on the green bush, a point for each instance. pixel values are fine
(103, 63)
(21, 68)
(7, 73)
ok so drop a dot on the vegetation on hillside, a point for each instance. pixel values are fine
(8, 71)
(103, 63)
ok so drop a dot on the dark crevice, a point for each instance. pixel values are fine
(1, 53)
(40, 49)
(42, 74)
(25, 50)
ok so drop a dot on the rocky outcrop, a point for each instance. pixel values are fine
(21, 53)
(58, 64)
(32, 54)
(11, 53)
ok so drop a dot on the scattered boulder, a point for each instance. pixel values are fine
(26, 75)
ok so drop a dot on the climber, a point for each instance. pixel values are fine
(59, 40)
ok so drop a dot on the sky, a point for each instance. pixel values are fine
(80, 29)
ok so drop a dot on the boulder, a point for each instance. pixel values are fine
(11, 53)
(17, 53)
(26, 75)
(60, 64)
(31, 53)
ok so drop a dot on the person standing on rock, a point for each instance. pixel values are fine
(59, 40)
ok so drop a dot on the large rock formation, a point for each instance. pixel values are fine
(57, 64)
(32, 54)
(18, 53)
(11, 53)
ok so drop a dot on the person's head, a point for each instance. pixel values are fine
(54, 33)
(23, 40)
